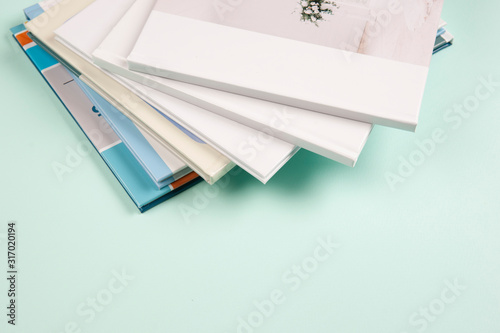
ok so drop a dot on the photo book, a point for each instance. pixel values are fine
(160, 164)
(366, 61)
(189, 90)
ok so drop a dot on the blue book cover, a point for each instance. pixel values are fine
(34, 10)
(131, 136)
(136, 182)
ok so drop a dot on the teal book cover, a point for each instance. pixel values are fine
(142, 190)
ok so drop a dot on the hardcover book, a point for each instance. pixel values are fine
(200, 157)
(366, 61)
(256, 152)
(160, 164)
(138, 185)
(336, 138)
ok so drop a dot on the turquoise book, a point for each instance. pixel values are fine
(143, 191)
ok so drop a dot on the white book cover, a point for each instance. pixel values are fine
(256, 152)
(336, 138)
(366, 61)
(203, 159)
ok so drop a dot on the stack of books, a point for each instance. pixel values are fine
(171, 93)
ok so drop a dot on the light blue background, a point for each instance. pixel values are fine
(200, 274)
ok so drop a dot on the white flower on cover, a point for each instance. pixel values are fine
(315, 11)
